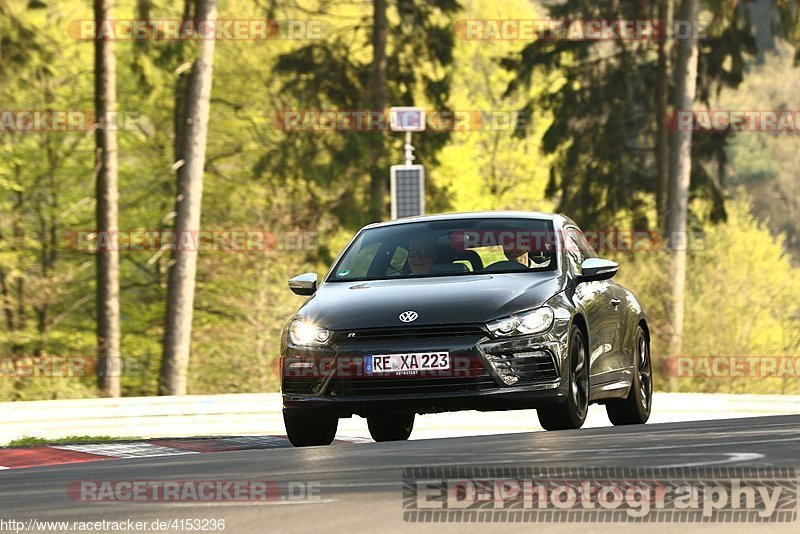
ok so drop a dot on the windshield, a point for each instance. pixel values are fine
(449, 248)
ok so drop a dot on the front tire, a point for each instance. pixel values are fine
(391, 427)
(305, 431)
(571, 413)
(635, 409)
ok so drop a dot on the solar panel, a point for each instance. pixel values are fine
(408, 190)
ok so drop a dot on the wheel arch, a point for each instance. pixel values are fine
(580, 321)
(643, 323)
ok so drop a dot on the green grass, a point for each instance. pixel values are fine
(67, 440)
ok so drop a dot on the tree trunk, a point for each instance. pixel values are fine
(5, 294)
(680, 175)
(108, 329)
(18, 231)
(662, 98)
(181, 280)
(377, 92)
(181, 91)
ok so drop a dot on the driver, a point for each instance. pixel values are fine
(521, 254)
(421, 255)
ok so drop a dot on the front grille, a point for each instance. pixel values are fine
(409, 332)
(396, 385)
(467, 373)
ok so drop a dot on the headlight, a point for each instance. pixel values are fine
(531, 322)
(308, 334)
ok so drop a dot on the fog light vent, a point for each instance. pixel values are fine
(502, 364)
(522, 366)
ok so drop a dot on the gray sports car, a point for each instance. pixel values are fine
(472, 311)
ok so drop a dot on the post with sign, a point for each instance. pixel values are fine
(407, 180)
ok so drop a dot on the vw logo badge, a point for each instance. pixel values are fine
(408, 316)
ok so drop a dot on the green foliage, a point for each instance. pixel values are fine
(491, 167)
(588, 132)
(602, 99)
(766, 164)
(742, 300)
(335, 75)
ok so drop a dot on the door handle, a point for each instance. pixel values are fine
(615, 302)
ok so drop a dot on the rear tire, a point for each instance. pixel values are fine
(391, 427)
(304, 431)
(571, 413)
(635, 409)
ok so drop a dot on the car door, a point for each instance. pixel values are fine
(601, 304)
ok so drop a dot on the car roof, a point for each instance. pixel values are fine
(557, 219)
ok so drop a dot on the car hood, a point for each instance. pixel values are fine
(439, 300)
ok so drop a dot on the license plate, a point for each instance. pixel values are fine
(406, 363)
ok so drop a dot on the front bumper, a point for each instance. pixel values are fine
(486, 374)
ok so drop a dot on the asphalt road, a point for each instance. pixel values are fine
(361, 484)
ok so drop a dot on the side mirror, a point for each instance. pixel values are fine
(305, 284)
(595, 269)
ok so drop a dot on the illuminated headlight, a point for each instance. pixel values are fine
(532, 322)
(308, 334)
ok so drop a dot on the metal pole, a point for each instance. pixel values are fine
(409, 148)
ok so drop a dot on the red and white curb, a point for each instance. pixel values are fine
(37, 456)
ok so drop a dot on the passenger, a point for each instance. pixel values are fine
(523, 255)
(517, 255)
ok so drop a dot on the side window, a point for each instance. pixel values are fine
(490, 254)
(578, 247)
(465, 263)
(397, 262)
(574, 255)
(583, 244)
